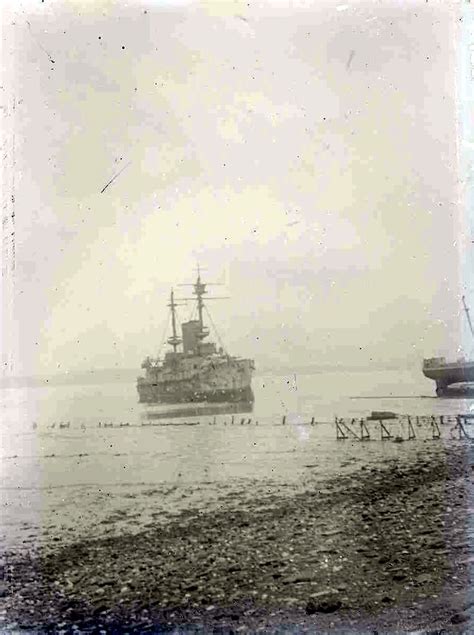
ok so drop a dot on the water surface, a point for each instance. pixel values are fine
(81, 461)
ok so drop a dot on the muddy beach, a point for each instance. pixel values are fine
(386, 549)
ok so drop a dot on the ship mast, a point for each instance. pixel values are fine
(199, 290)
(174, 340)
(466, 309)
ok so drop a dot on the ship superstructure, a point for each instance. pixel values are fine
(195, 370)
(447, 374)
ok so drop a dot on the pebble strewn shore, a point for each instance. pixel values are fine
(385, 550)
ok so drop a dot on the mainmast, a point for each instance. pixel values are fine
(199, 291)
(174, 340)
(466, 309)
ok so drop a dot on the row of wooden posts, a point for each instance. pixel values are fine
(346, 431)
(103, 424)
(311, 423)
(244, 421)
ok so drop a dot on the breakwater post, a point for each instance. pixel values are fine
(436, 433)
(340, 434)
(364, 431)
(461, 430)
(384, 433)
(342, 430)
(431, 422)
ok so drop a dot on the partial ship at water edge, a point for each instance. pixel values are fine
(453, 379)
(199, 372)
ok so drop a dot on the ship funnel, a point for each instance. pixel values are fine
(191, 336)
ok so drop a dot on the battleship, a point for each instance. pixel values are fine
(452, 378)
(195, 370)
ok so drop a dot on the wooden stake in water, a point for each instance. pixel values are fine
(461, 431)
(384, 433)
(435, 431)
(340, 434)
(364, 431)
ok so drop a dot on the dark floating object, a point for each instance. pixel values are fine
(382, 415)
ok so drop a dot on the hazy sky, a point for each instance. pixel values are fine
(305, 154)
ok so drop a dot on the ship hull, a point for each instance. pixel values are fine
(150, 393)
(447, 374)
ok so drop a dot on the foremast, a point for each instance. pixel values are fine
(174, 340)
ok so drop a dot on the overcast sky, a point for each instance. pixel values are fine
(304, 154)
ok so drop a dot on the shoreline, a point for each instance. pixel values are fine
(384, 548)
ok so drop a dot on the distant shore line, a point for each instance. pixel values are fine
(127, 375)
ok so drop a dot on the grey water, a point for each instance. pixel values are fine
(81, 461)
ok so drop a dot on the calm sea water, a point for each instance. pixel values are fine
(81, 461)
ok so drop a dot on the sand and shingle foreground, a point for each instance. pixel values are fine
(386, 549)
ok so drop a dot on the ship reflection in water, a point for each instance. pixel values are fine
(463, 391)
(196, 410)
